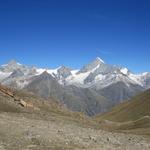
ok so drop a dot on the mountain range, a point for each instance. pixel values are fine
(94, 88)
(29, 122)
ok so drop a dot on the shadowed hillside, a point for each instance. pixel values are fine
(133, 115)
(28, 122)
(137, 107)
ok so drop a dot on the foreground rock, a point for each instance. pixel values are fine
(30, 132)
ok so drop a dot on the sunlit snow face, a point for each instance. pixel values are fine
(96, 73)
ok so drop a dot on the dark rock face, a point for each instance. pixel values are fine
(119, 92)
(16, 73)
(64, 72)
(76, 99)
(92, 65)
(93, 89)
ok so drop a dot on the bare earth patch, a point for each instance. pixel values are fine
(20, 132)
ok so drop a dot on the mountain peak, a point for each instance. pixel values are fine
(99, 60)
(93, 65)
(13, 62)
(12, 65)
(64, 68)
(64, 72)
(45, 73)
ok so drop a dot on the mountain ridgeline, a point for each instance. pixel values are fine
(93, 89)
(132, 116)
(137, 107)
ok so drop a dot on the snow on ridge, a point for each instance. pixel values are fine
(78, 78)
(73, 72)
(53, 71)
(95, 68)
(144, 73)
(98, 58)
(4, 75)
(124, 71)
(99, 77)
(5, 65)
(50, 71)
(19, 64)
(136, 78)
(40, 71)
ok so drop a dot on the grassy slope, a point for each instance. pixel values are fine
(48, 108)
(132, 116)
(137, 107)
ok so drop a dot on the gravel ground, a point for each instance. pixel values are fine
(19, 132)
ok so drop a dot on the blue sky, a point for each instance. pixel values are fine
(49, 33)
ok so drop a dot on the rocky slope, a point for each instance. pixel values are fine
(23, 132)
(131, 116)
(137, 107)
(93, 89)
(76, 98)
(119, 92)
(52, 127)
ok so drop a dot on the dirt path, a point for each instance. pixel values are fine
(22, 133)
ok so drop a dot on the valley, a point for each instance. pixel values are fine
(88, 109)
(74, 75)
(53, 127)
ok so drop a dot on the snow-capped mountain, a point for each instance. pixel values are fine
(98, 74)
(92, 89)
(95, 74)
